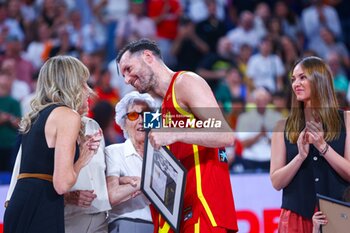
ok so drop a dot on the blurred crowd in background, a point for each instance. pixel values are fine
(244, 49)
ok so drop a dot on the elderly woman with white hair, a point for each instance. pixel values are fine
(130, 209)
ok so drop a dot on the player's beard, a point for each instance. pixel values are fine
(148, 82)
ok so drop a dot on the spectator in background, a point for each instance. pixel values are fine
(95, 36)
(25, 102)
(94, 62)
(10, 113)
(110, 12)
(117, 81)
(315, 17)
(262, 15)
(245, 33)
(86, 11)
(242, 59)
(49, 12)
(198, 11)
(14, 13)
(99, 81)
(280, 103)
(135, 25)
(329, 44)
(28, 11)
(348, 96)
(89, 37)
(166, 15)
(53, 13)
(266, 69)
(237, 107)
(211, 29)
(188, 47)
(39, 46)
(20, 89)
(231, 87)
(274, 31)
(254, 129)
(63, 45)
(290, 22)
(103, 113)
(213, 67)
(92, 20)
(103, 89)
(76, 33)
(289, 53)
(340, 80)
(9, 26)
(343, 104)
(24, 69)
(308, 53)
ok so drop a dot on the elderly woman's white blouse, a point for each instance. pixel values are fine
(123, 160)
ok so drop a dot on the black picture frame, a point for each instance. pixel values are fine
(163, 182)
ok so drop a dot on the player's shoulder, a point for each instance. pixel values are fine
(187, 79)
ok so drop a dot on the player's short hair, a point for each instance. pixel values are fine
(140, 45)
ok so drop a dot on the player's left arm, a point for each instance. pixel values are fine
(194, 95)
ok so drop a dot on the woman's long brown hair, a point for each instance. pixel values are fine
(324, 103)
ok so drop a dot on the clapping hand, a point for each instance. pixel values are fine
(303, 144)
(315, 134)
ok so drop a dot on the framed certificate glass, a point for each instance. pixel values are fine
(163, 182)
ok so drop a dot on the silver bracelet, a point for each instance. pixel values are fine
(325, 149)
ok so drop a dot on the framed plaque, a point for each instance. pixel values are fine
(337, 214)
(163, 182)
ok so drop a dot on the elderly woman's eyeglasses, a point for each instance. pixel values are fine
(133, 116)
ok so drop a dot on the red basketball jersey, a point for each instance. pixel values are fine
(208, 190)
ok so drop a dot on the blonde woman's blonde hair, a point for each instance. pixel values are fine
(323, 100)
(62, 80)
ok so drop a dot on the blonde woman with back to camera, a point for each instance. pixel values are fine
(310, 151)
(51, 158)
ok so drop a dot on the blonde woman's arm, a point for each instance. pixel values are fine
(61, 131)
